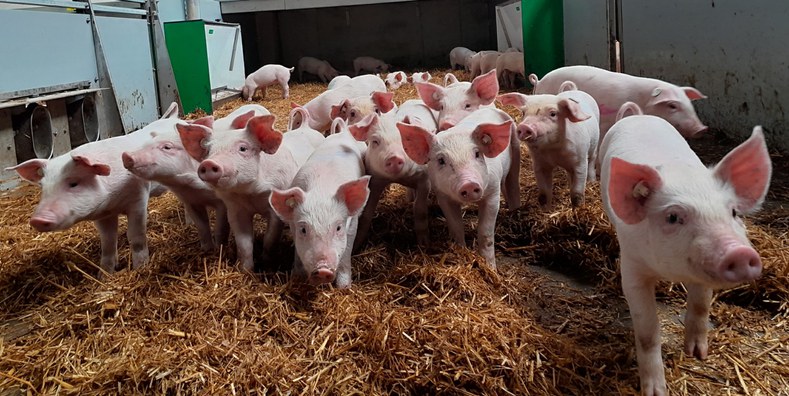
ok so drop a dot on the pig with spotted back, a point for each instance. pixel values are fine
(354, 109)
(459, 99)
(320, 68)
(611, 90)
(320, 107)
(266, 76)
(322, 207)
(561, 131)
(243, 166)
(470, 163)
(386, 162)
(165, 160)
(460, 58)
(89, 183)
(678, 220)
(369, 64)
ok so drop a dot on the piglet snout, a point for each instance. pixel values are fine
(471, 191)
(322, 274)
(210, 171)
(740, 264)
(43, 222)
(526, 132)
(128, 160)
(394, 165)
(700, 132)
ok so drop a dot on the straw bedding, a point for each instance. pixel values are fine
(434, 321)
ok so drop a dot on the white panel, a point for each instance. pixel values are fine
(42, 49)
(171, 10)
(586, 33)
(239, 6)
(126, 45)
(734, 51)
(509, 24)
(223, 69)
(210, 10)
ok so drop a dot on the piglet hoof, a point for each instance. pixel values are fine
(653, 387)
(577, 200)
(696, 345)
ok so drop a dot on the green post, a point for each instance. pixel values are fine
(543, 35)
(189, 57)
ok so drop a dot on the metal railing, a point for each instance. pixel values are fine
(85, 6)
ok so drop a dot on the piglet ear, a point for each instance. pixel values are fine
(171, 112)
(31, 170)
(628, 109)
(383, 100)
(398, 77)
(193, 136)
(294, 105)
(96, 168)
(485, 87)
(262, 127)
(693, 93)
(285, 202)
(629, 188)
(747, 169)
(426, 76)
(416, 142)
(298, 117)
(568, 86)
(354, 195)
(431, 94)
(450, 79)
(341, 110)
(337, 125)
(241, 121)
(663, 95)
(207, 121)
(513, 99)
(570, 109)
(361, 129)
(492, 139)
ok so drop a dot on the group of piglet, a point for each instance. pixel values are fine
(509, 64)
(675, 219)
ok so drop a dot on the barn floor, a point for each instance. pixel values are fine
(551, 321)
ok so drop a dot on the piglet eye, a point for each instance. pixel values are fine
(733, 212)
(339, 227)
(441, 161)
(353, 114)
(672, 106)
(553, 114)
(303, 230)
(672, 218)
(378, 111)
(441, 108)
(73, 184)
(476, 153)
(242, 149)
(167, 147)
(468, 106)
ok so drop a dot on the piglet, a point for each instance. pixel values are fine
(395, 80)
(320, 107)
(475, 63)
(456, 101)
(387, 162)
(460, 57)
(415, 111)
(509, 65)
(264, 77)
(560, 130)
(337, 81)
(322, 207)
(90, 183)
(488, 61)
(469, 163)
(369, 64)
(243, 166)
(678, 220)
(420, 77)
(611, 90)
(354, 109)
(320, 68)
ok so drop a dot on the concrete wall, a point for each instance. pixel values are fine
(406, 35)
(734, 51)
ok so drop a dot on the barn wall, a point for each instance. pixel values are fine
(734, 51)
(406, 35)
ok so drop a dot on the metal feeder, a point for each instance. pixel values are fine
(83, 123)
(34, 138)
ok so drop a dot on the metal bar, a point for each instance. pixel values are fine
(43, 90)
(28, 101)
(504, 27)
(112, 122)
(119, 10)
(235, 45)
(49, 3)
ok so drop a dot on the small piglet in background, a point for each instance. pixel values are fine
(264, 77)
(354, 109)
(678, 220)
(420, 77)
(89, 183)
(320, 107)
(322, 208)
(475, 63)
(396, 79)
(370, 65)
(471, 162)
(561, 131)
(460, 58)
(243, 166)
(320, 68)
(456, 101)
(509, 66)
(611, 90)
